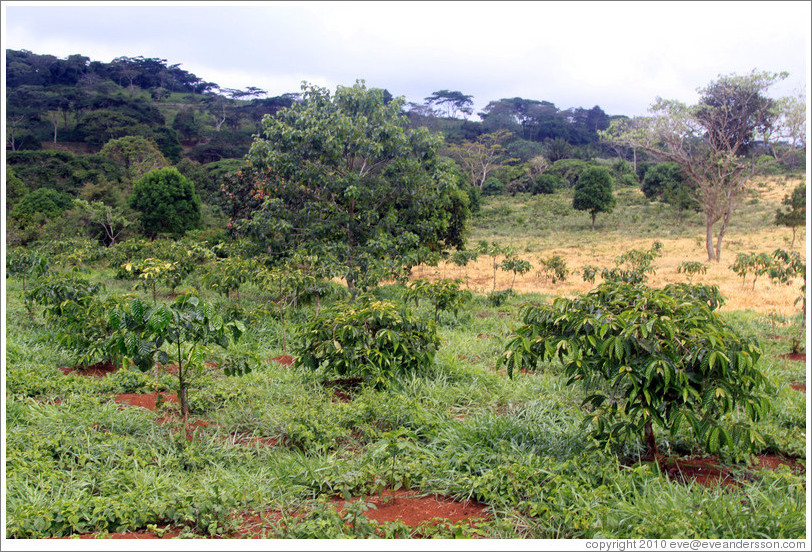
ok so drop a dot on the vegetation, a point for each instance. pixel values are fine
(593, 192)
(646, 357)
(167, 202)
(341, 240)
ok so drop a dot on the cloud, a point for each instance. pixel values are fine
(619, 55)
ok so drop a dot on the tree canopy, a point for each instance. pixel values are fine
(343, 175)
(167, 201)
(734, 133)
(594, 192)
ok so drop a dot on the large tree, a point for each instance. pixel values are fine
(167, 202)
(343, 175)
(732, 135)
(795, 215)
(594, 192)
(453, 101)
(478, 158)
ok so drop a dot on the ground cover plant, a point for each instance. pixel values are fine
(288, 452)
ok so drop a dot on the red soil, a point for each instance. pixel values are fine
(773, 462)
(284, 360)
(704, 471)
(709, 471)
(408, 506)
(413, 508)
(146, 400)
(344, 388)
(99, 370)
(140, 534)
(799, 357)
(799, 387)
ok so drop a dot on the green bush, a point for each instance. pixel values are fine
(545, 183)
(492, 186)
(369, 339)
(167, 201)
(648, 357)
(46, 202)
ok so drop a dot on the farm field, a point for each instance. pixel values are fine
(457, 450)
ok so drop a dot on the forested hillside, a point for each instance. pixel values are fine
(80, 129)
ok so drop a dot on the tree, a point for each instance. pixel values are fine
(110, 221)
(137, 154)
(480, 157)
(167, 201)
(733, 134)
(343, 176)
(664, 181)
(648, 357)
(593, 192)
(795, 215)
(453, 101)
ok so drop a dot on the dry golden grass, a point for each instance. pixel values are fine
(766, 298)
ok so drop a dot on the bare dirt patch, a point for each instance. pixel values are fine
(98, 370)
(344, 389)
(166, 533)
(414, 508)
(146, 400)
(773, 462)
(707, 472)
(797, 357)
(799, 387)
(284, 360)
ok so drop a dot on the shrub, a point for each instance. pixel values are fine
(369, 339)
(545, 183)
(647, 357)
(43, 201)
(692, 268)
(554, 268)
(444, 295)
(167, 201)
(492, 186)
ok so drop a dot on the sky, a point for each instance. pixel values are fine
(618, 55)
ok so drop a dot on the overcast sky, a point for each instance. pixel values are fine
(619, 55)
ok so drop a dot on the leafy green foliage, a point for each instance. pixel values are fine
(795, 215)
(26, 264)
(512, 263)
(692, 268)
(167, 202)
(647, 357)
(42, 203)
(373, 340)
(757, 264)
(634, 265)
(554, 268)
(594, 192)
(443, 294)
(346, 178)
(180, 332)
(545, 183)
(76, 313)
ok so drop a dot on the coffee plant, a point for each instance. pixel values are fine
(647, 357)
(444, 295)
(692, 268)
(370, 339)
(554, 269)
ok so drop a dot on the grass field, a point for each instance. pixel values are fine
(527, 225)
(276, 453)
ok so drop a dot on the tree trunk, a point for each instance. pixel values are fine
(722, 230)
(652, 453)
(593, 221)
(709, 239)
